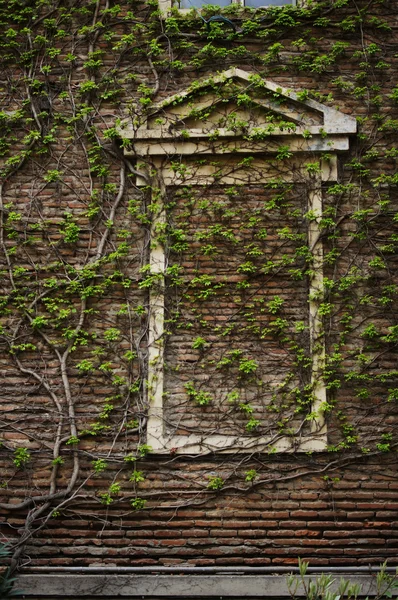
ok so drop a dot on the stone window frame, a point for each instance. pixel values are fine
(158, 143)
(165, 6)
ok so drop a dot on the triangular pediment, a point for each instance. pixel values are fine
(237, 101)
(232, 103)
(238, 111)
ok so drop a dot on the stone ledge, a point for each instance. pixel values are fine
(49, 586)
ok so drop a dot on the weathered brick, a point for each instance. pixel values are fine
(317, 506)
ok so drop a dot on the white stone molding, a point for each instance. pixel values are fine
(157, 262)
(315, 292)
(310, 131)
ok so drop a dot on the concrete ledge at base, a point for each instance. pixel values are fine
(52, 586)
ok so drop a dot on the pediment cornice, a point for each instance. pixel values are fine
(239, 104)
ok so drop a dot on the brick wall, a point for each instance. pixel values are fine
(332, 508)
(346, 519)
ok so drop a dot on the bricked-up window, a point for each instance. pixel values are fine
(236, 345)
(225, 368)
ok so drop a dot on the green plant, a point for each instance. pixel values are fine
(275, 305)
(199, 343)
(252, 424)
(200, 397)
(21, 457)
(99, 465)
(72, 441)
(7, 581)
(250, 475)
(52, 175)
(112, 334)
(320, 587)
(85, 366)
(325, 586)
(143, 450)
(138, 503)
(137, 476)
(69, 229)
(215, 483)
(248, 366)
